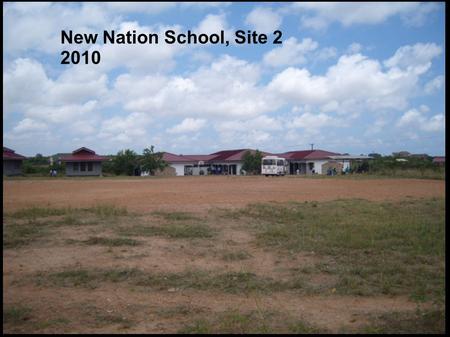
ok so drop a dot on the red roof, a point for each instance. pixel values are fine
(221, 156)
(175, 158)
(82, 154)
(308, 154)
(10, 154)
(439, 160)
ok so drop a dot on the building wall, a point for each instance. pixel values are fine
(96, 169)
(12, 167)
(179, 169)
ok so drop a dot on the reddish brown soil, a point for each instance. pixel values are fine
(198, 193)
(100, 310)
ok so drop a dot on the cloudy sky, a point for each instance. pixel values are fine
(348, 77)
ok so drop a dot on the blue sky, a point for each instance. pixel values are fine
(349, 77)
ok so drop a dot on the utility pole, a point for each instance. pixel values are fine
(312, 146)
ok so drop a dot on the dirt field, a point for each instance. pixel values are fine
(181, 258)
(199, 193)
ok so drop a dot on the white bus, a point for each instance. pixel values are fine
(273, 165)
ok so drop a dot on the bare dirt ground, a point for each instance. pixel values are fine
(199, 193)
(124, 308)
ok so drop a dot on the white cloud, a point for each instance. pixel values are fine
(29, 90)
(140, 7)
(227, 88)
(357, 82)
(263, 20)
(319, 15)
(415, 119)
(354, 48)
(313, 122)
(434, 85)
(130, 129)
(28, 124)
(37, 26)
(290, 53)
(326, 53)
(140, 58)
(416, 58)
(188, 125)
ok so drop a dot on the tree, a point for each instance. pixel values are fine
(125, 162)
(152, 161)
(252, 162)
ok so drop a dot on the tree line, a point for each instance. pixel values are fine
(128, 162)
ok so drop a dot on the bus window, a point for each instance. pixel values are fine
(280, 162)
(268, 162)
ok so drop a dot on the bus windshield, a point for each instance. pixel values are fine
(280, 162)
(269, 162)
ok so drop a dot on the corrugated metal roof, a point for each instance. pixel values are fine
(175, 158)
(83, 154)
(308, 154)
(11, 154)
(439, 160)
(221, 156)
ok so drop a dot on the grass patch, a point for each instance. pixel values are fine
(175, 216)
(16, 315)
(235, 256)
(419, 322)
(391, 248)
(179, 310)
(108, 211)
(16, 235)
(232, 282)
(253, 322)
(110, 242)
(171, 230)
(101, 211)
(51, 323)
(39, 212)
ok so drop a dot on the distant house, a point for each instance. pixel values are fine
(401, 154)
(228, 162)
(12, 162)
(83, 162)
(439, 161)
(319, 161)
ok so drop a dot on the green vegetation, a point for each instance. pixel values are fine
(374, 248)
(394, 166)
(171, 230)
(16, 315)
(235, 256)
(124, 162)
(231, 282)
(251, 162)
(110, 242)
(102, 211)
(176, 225)
(418, 322)
(127, 162)
(16, 235)
(179, 310)
(28, 225)
(175, 216)
(253, 322)
(152, 161)
(38, 212)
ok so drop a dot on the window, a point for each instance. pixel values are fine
(90, 167)
(269, 162)
(280, 162)
(17, 164)
(76, 167)
(83, 167)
